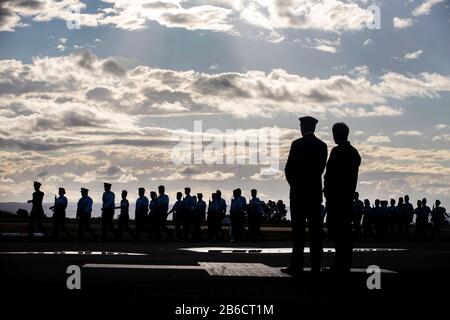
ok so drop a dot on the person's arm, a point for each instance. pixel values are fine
(288, 169)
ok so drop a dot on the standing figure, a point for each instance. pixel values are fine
(407, 217)
(368, 234)
(84, 211)
(222, 210)
(399, 221)
(358, 206)
(340, 182)
(152, 222)
(108, 207)
(162, 206)
(426, 213)
(438, 216)
(213, 211)
(141, 213)
(59, 214)
(392, 220)
(187, 209)
(237, 215)
(124, 216)
(304, 168)
(37, 212)
(255, 214)
(177, 215)
(198, 217)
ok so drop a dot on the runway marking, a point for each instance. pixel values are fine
(219, 269)
(87, 253)
(278, 250)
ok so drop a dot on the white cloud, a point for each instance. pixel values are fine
(368, 42)
(413, 55)
(441, 126)
(409, 133)
(425, 7)
(378, 139)
(400, 23)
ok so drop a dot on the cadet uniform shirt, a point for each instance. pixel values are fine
(60, 204)
(221, 204)
(188, 203)
(255, 204)
(124, 206)
(142, 205)
(38, 197)
(108, 200)
(152, 206)
(84, 206)
(200, 208)
(176, 208)
(237, 204)
(163, 203)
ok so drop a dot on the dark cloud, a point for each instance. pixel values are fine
(222, 84)
(111, 67)
(87, 60)
(99, 94)
(159, 5)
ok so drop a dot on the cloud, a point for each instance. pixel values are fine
(413, 55)
(425, 7)
(441, 126)
(400, 23)
(410, 133)
(268, 174)
(378, 139)
(368, 42)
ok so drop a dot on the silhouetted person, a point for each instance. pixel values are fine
(108, 206)
(177, 215)
(141, 213)
(399, 221)
(407, 217)
(304, 168)
(198, 217)
(162, 206)
(153, 223)
(420, 232)
(437, 219)
(187, 209)
(59, 214)
(340, 181)
(84, 212)
(383, 212)
(392, 216)
(212, 218)
(368, 234)
(37, 211)
(358, 206)
(222, 210)
(255, 214)
(237, 215)
(124, 216)
(426, 212)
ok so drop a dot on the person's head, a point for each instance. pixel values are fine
(419, 203)
(84, 192)
(400, 200)
(235, 193)
(124, 194)
(307, 125)
(214, 196)
(194, 198)
(356, 195)
(406, 199)
(238, 192)
(199, 196)
(37, 185)
(179, 195)
(424, 201)
(392, 202)
(377, 202)
(153, 195)
(61, 191)
(366, 202)
(107, 186)
(254, 192)
(437, 203)
(187, 191)
(161, 190)
(384, 203)
(340, 132)
(141, 191)
(218, 193)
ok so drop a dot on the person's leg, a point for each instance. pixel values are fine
(315, 236)
(298, 234)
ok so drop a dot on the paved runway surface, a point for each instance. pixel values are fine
(166, 276)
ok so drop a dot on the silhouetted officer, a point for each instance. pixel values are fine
(213, 212)
(222, 210)
(141, 213)
(187, 209)
(124, 216)
(162, 205)
(84, 212)
(108, 206)
(237, 215)
(340, 181)
(368, 233)
(420, 231)
(255, 213)
(152, 222)
(177, 215)
(407, 217)
(304, 168)
(37, 211)
(399, 221)
(358, 206)
(392, 216)
(198, 217)
(59, 214)
(437, 218)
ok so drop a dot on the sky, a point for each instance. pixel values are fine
(96, 91)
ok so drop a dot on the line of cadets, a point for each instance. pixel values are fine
(189, 212)
(391, 222)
